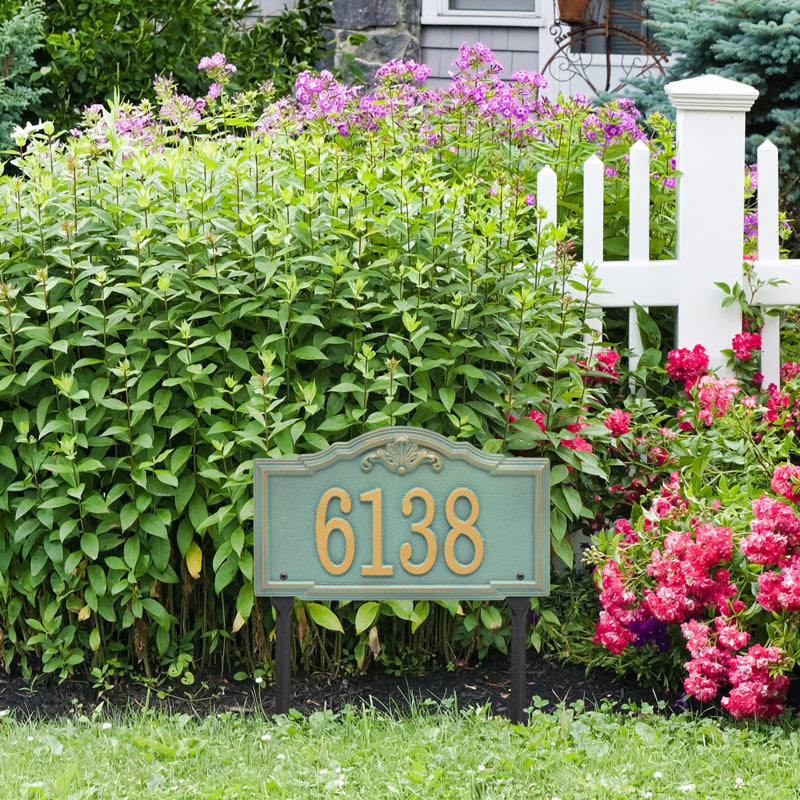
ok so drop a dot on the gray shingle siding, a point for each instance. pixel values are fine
(515, 48)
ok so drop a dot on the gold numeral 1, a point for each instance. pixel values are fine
(377, 567)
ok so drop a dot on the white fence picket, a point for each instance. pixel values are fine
(639, 246)
(593, 210)
(768, 201)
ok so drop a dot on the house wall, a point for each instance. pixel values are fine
(392, 28)
(515, 48)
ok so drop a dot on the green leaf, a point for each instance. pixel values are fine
(563, 549)
(366, 614)
(309, 353)
(573, 499)
(90, 544)
(491, 618)
(184, 492)
(558, 473)
(420, 614)
(153, 525)
(447, 396)
(226, 573)
(7, 458)
(131, 551)
(245, 600)
(128, 516)
(402, 608)
(651, 335)
(94, 504)
(324, 617)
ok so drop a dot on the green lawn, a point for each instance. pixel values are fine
(433, 753)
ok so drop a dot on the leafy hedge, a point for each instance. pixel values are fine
(182, 291)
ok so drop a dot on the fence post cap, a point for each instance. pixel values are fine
(711, 93)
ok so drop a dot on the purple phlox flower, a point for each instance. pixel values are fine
(580, 98)
(610, 172)
(533, 78)
(214, 91)
(530, 199)
(750, 225)
(478, 59)
(670, 183)
(400, 70)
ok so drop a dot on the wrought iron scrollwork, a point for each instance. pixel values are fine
(582, 46)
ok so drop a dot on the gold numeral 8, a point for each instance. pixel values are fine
(462, 527)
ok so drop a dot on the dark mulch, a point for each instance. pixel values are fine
(488, 683)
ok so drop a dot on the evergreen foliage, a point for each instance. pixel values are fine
(756, 42)
(20, 37)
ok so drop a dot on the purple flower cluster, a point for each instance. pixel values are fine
(613, 122)
(323, 97)
(397, 70)
(217, 62)
(478, 59)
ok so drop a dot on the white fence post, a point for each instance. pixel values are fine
(710, 131)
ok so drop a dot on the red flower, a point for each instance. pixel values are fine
(617, 422)
(785, 482)
(744, 344)
(687, 365)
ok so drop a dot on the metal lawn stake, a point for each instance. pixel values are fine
(402, 514)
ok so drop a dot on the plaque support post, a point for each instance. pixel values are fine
(519, 614)
(283, 653)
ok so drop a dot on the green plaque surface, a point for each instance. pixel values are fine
(402, 513)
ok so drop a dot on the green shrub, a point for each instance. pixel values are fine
(97, 50)
(185, 289)
(20, 37)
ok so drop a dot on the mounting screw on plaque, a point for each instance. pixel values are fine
(283, 576)
(520, 576)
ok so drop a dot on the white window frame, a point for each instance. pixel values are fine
(438, 12)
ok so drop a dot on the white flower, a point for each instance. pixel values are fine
(281, 755)
(259, 679)
(647, 794)
(739, 783)
(687, 787)
(481, 767)
(323, 771)
(266, 737)
(658, 775)
(106, 726)
(5, 711)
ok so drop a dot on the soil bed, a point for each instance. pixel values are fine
(487, 683)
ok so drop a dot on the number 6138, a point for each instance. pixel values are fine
(458, 527)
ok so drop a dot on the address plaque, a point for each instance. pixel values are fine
(402, 513)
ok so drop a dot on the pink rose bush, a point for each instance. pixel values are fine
(712, 561)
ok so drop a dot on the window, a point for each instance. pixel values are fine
(504, 13)
(489, 5)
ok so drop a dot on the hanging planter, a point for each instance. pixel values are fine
(573, 12)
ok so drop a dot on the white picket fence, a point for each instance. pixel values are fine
(710, 133)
